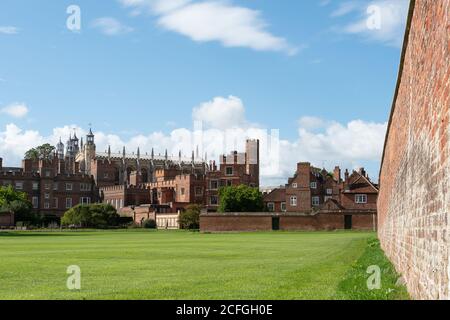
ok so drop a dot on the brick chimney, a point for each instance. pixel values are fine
(1, 164)
(337, 174)
(362, 172)
(347, 175)
(304, 173)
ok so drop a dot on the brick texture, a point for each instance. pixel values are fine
(414, 199)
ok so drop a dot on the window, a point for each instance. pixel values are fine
(198, 191)
(315, 201)
(313, 185)
(182, 191)
(283, 206)
(271, 206)
(295, 185)
(85, 187)
(47, 186)
(229, 183)
(69, 186)
(361, 198)
(106, 176)
(35, 202)
(214, 200)
(229, 171)
(47, 173)
(55, 186)
(55, 203)
(47, 196)
(68, 203)
(329, 192)
(293, 201)
(46, 205)
(7, 183)
(35, 185)
(214, 185)
(19, 185)
(85, 200)
(327, 198)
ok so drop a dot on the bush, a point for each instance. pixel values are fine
(149, 224)
(190, 219)
(91, 216)
(240, 199)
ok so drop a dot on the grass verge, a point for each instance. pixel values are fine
(355, 284)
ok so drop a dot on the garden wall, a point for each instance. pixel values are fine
(414, 199)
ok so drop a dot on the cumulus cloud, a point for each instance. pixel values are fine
(231, 25)
(110, 26)
(8, 30)
(319, 141)
(221, 113)
(392, 20)
(16, 110)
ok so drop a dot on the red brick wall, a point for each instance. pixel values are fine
(414, 203)
(263, 222)
(228, 223)
(6, 219)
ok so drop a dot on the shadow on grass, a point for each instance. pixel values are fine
(20, 234)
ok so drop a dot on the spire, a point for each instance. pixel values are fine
(197, 153)
(139, 153)
(179, 155)
(153, 153)
(166, 156)
(193, 156)
(124, 152)
(109, 151)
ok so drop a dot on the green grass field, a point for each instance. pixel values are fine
(185, 265)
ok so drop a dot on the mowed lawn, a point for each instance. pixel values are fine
(177, 265)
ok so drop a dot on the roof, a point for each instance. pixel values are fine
(277, 195)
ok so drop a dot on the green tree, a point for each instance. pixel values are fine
(17, 203)
(91, 216)
(240, 199)
(41, 152)
(190, 219)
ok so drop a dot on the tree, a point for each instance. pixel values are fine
(15, 202)
(91, 216)
(240, 199)
(190, 219)
(44, 151)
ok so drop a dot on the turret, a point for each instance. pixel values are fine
(60, 150)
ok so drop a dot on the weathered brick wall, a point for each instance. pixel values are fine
(414, 200)
(288, 222)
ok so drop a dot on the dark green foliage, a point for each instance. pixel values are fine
(354, 285)
(17, 203)
(240, 199)
(41, 152)
(91, 216)
(149, 224)
(190, 219)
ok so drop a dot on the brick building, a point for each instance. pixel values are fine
(414, 202)
(51, 185)
(312, 189)
(176, 185)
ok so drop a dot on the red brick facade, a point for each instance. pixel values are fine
(414, 203)
(311, 189)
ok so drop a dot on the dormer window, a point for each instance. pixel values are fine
(295, 185)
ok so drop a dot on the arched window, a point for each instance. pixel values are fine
(144, 174)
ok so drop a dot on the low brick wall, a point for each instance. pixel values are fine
(236, 222)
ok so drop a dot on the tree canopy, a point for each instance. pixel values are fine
(91, 216)
(240, 199)
(17, 203)
(41, 152)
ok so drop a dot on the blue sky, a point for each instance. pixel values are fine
(137, 69)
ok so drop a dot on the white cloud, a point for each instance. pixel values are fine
(393, 16)
(231, 25)
(16, 110)
(345, 8)
(221, 113)
(111, 26)
(8, 30)
(319, 141)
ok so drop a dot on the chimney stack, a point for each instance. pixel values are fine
(1, 164)
(347, 175)
(337, 174)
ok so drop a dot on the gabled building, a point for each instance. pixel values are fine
(312, 190)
